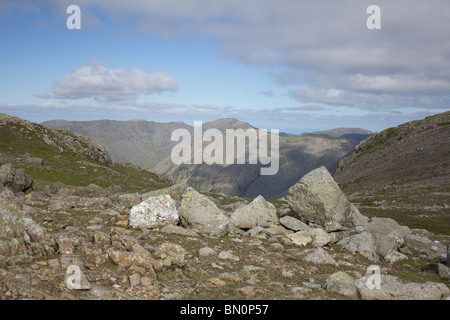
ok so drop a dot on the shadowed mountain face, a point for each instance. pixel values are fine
(297, 156)
(404, 171)
(148, 144)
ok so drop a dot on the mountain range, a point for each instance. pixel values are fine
(148, 144)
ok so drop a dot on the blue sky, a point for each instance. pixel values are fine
(296, 66)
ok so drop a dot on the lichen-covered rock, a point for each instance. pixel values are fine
(257, 213)
(201, 214)
(318, 199)
(155, 212)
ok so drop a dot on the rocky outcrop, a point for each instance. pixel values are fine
(62, 140)
(317, 198)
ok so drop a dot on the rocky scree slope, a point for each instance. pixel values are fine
(177, 243)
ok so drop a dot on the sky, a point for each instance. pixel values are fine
(293, 65)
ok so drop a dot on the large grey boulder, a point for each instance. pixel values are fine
(317, 198)
(201, 214)
(16, 179)
(154, 212)
(259, 213)
(7, 173)
(392, 289)
(387, 234)
(432, 249)
(362, 243)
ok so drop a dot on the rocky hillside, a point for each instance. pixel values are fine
(59, 156)
(148, 144)
(63, 237)
(403, 172)
(176, 243)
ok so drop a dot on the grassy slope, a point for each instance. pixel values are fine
(21, 139)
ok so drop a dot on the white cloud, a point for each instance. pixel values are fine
(103, 84)
(324, 44)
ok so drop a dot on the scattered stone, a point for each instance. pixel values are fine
(146, 281)
(35, 162)
(154, 212)
(206, 251)
(135, 280)
(231, 276)
(319, 256)
(173, 229)
(125, 259)
(122, 223)
(247, 291)
(395, 256)
(171, 253)
(228, 255)
(218, 282)
(287, 274)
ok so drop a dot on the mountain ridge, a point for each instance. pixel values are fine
(147, 144)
